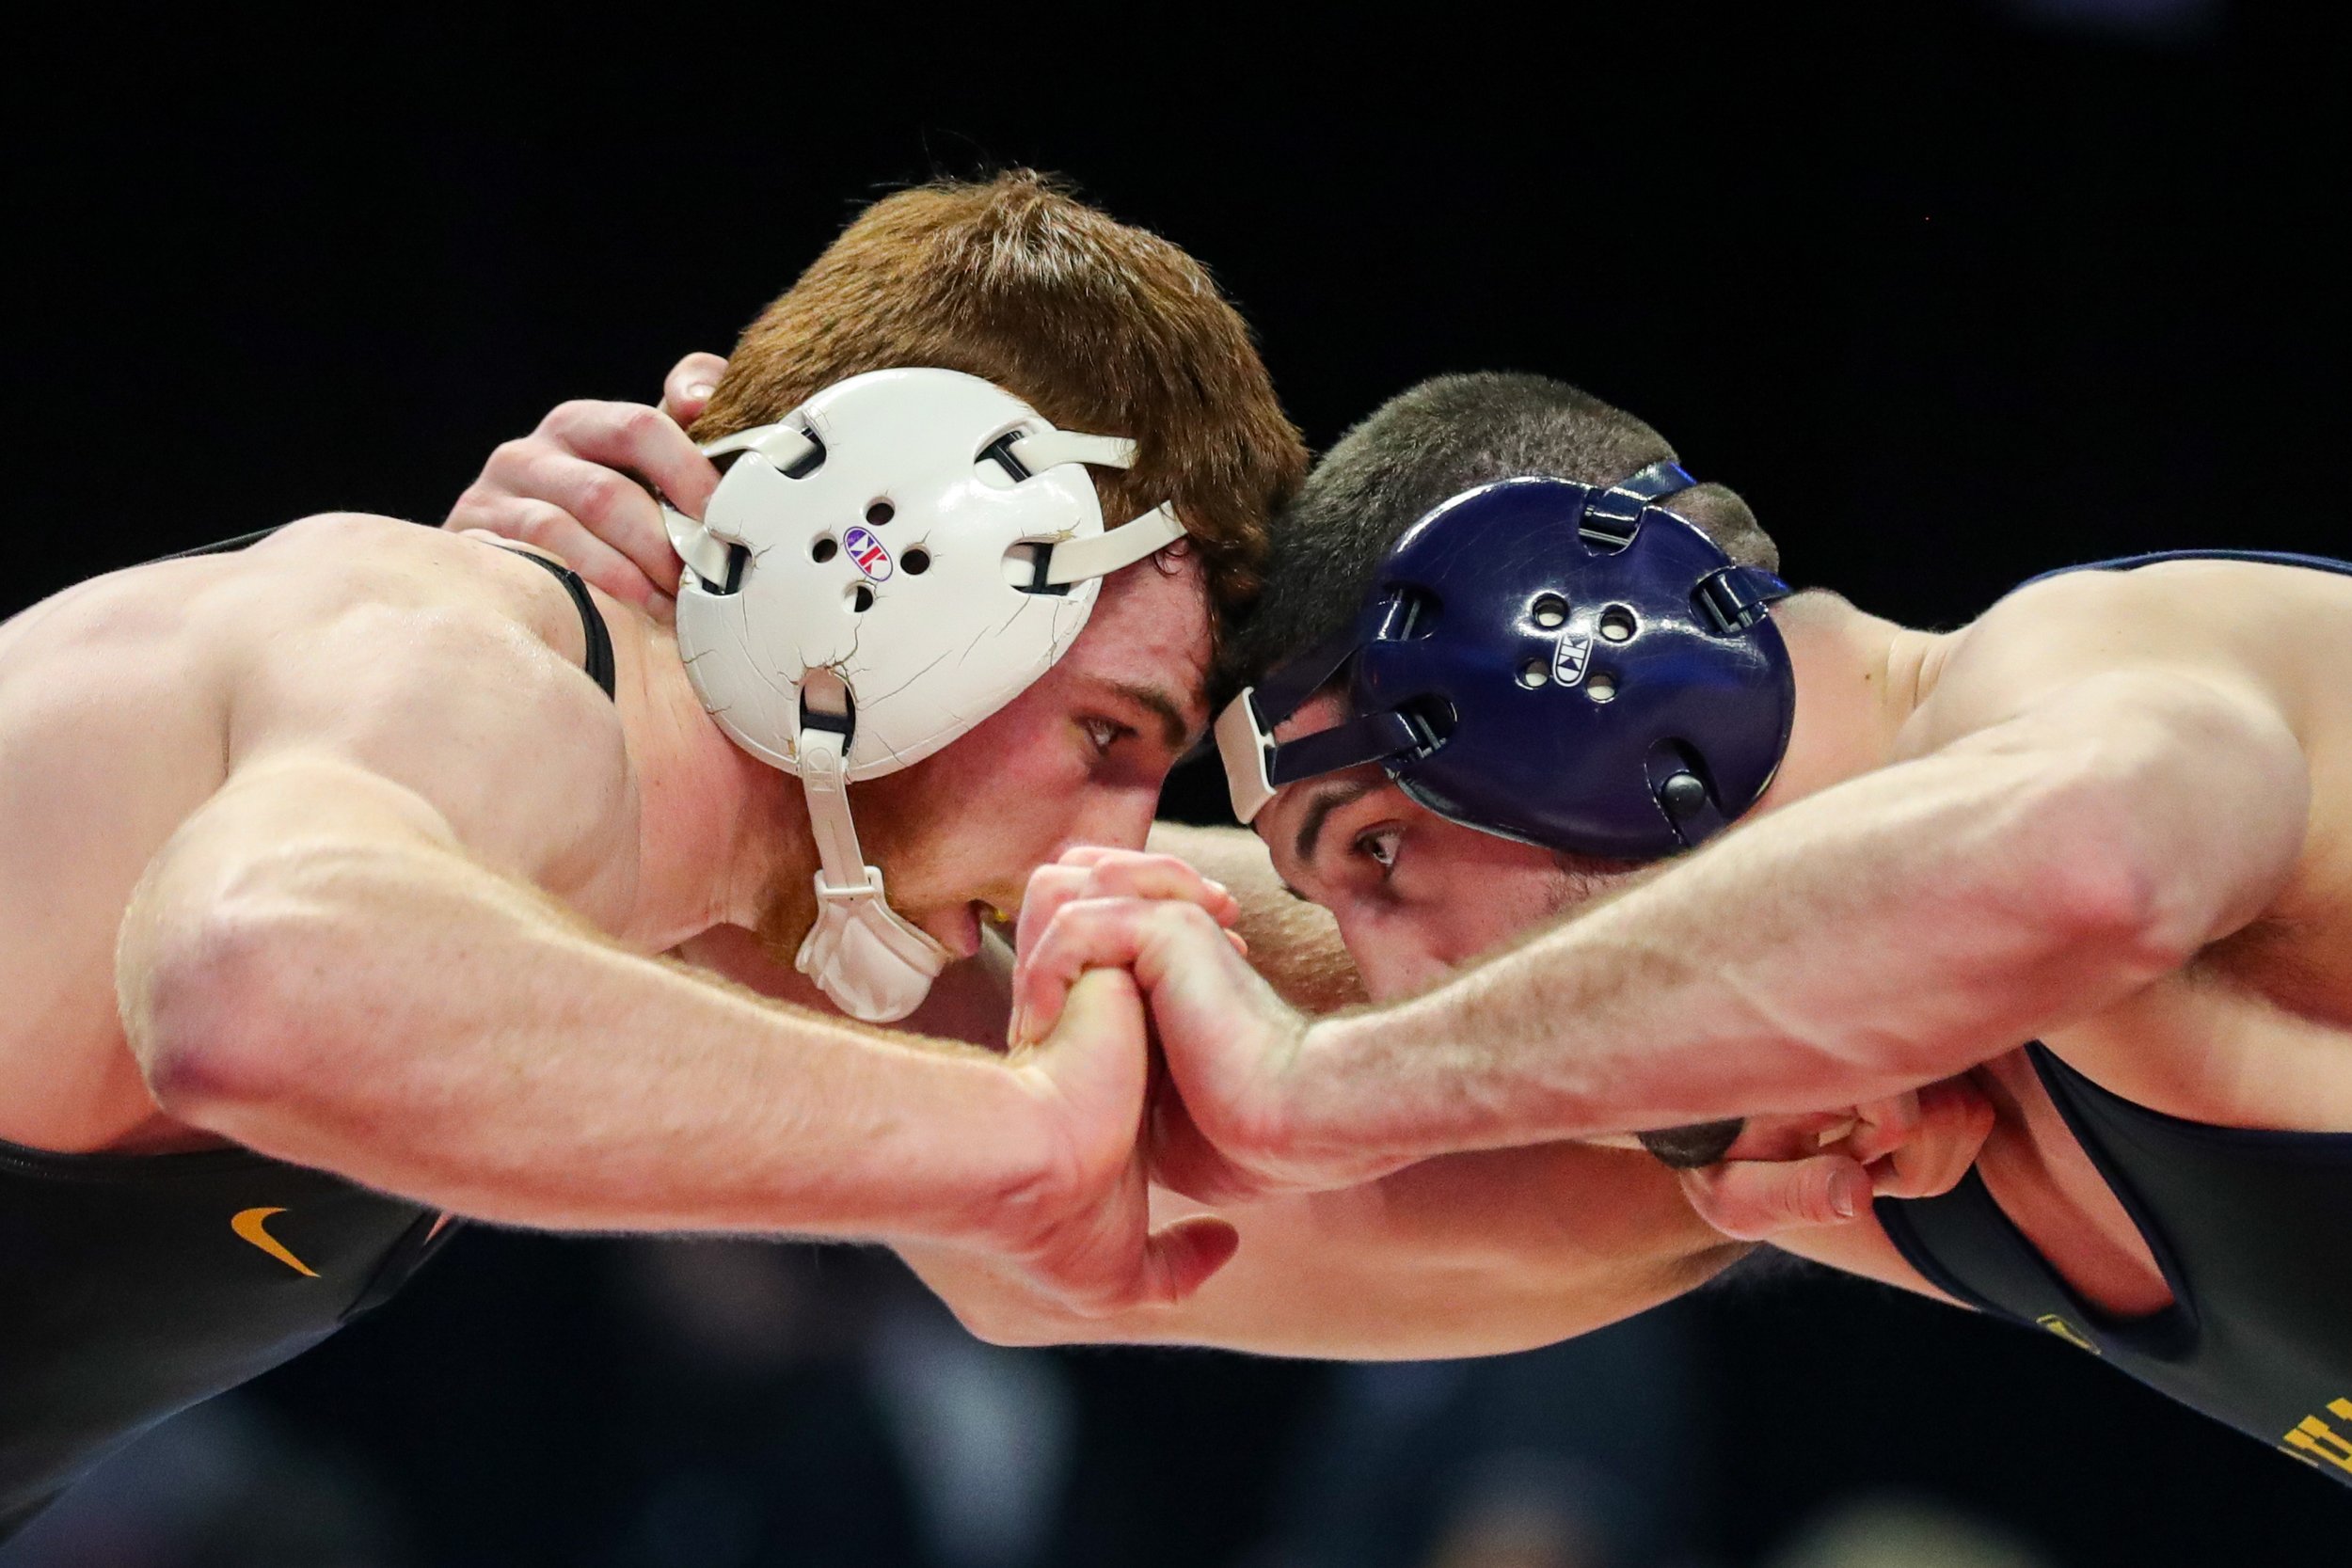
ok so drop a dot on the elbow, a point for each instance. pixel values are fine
(213, 1011)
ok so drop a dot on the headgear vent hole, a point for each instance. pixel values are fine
(861, 600)
(1534, 673)
(1549, 611)
(823, 550)
(1601, 689)
(880, 512)
(1617, 623)
(917, 561)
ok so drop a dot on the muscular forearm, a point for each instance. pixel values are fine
(423, 1026)
(1473, 1255)
(1293, 943)
(1874, 938)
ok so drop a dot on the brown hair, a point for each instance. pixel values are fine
(1100, 328)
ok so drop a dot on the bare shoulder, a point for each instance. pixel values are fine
(2281, 633)
(448, 665)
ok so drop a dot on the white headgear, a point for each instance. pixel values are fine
(890, 564)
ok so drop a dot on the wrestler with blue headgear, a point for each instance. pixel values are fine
(2077, 876)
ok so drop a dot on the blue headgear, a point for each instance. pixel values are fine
(1568, 664)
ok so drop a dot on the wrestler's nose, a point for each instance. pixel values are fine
(1119, 818)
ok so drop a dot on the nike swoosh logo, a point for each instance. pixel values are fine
(248, 1224)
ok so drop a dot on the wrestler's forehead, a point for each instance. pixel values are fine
(1150, 629)
(1282, 822)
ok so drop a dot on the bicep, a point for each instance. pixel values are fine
(230, 869)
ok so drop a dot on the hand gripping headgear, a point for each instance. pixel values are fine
(878, 572)
(1572, 665)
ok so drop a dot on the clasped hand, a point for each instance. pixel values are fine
(1232, 1114)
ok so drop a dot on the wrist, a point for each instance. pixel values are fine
(1340, 1111)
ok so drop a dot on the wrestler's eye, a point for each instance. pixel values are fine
(1379, 846)
(1104, 733)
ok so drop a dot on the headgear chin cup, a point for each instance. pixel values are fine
(878, 572)
(1567, 664)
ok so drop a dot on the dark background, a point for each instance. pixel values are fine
(1952, 295)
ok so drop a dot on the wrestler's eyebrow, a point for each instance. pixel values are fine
(1326, 800)
(1175, 729)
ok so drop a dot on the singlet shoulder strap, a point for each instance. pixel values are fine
(224, 547)
(2260, 557)
(599, 637)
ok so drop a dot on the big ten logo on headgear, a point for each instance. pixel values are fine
(1574, 652)
(867, 553)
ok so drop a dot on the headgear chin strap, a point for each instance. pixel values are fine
(1567, 664)
(878, 572)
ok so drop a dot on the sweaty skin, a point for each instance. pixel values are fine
(1546, 1241)
(330, 848)
(2111, 814)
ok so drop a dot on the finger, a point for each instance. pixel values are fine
(611, 504)
(1175, 867)
(1085, 934)
(1136, 876)
(1792, 1136)
(1179, 1258)
(1050, 887)
(1087, 873)
(549, 528)
(1884, 1126)
(1754, 1200)
(1954, 1120)
(685, 390)
(494, 486)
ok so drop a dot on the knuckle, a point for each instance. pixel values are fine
(540, 523)
(637, 423)
(604, 492)
(473, 506)
(1189, 917)
(567, 418)
(514, 454)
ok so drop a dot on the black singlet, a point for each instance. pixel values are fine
(2253, 1230)
(135, 1286)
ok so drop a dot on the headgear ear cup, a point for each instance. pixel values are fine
(879, 572)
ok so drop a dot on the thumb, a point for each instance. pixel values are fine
(1099, 1000)
(1096, 1053)
(1753, 1200)
(685, 390)
(1179, 1258)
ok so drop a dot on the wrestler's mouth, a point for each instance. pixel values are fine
(963, 940)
